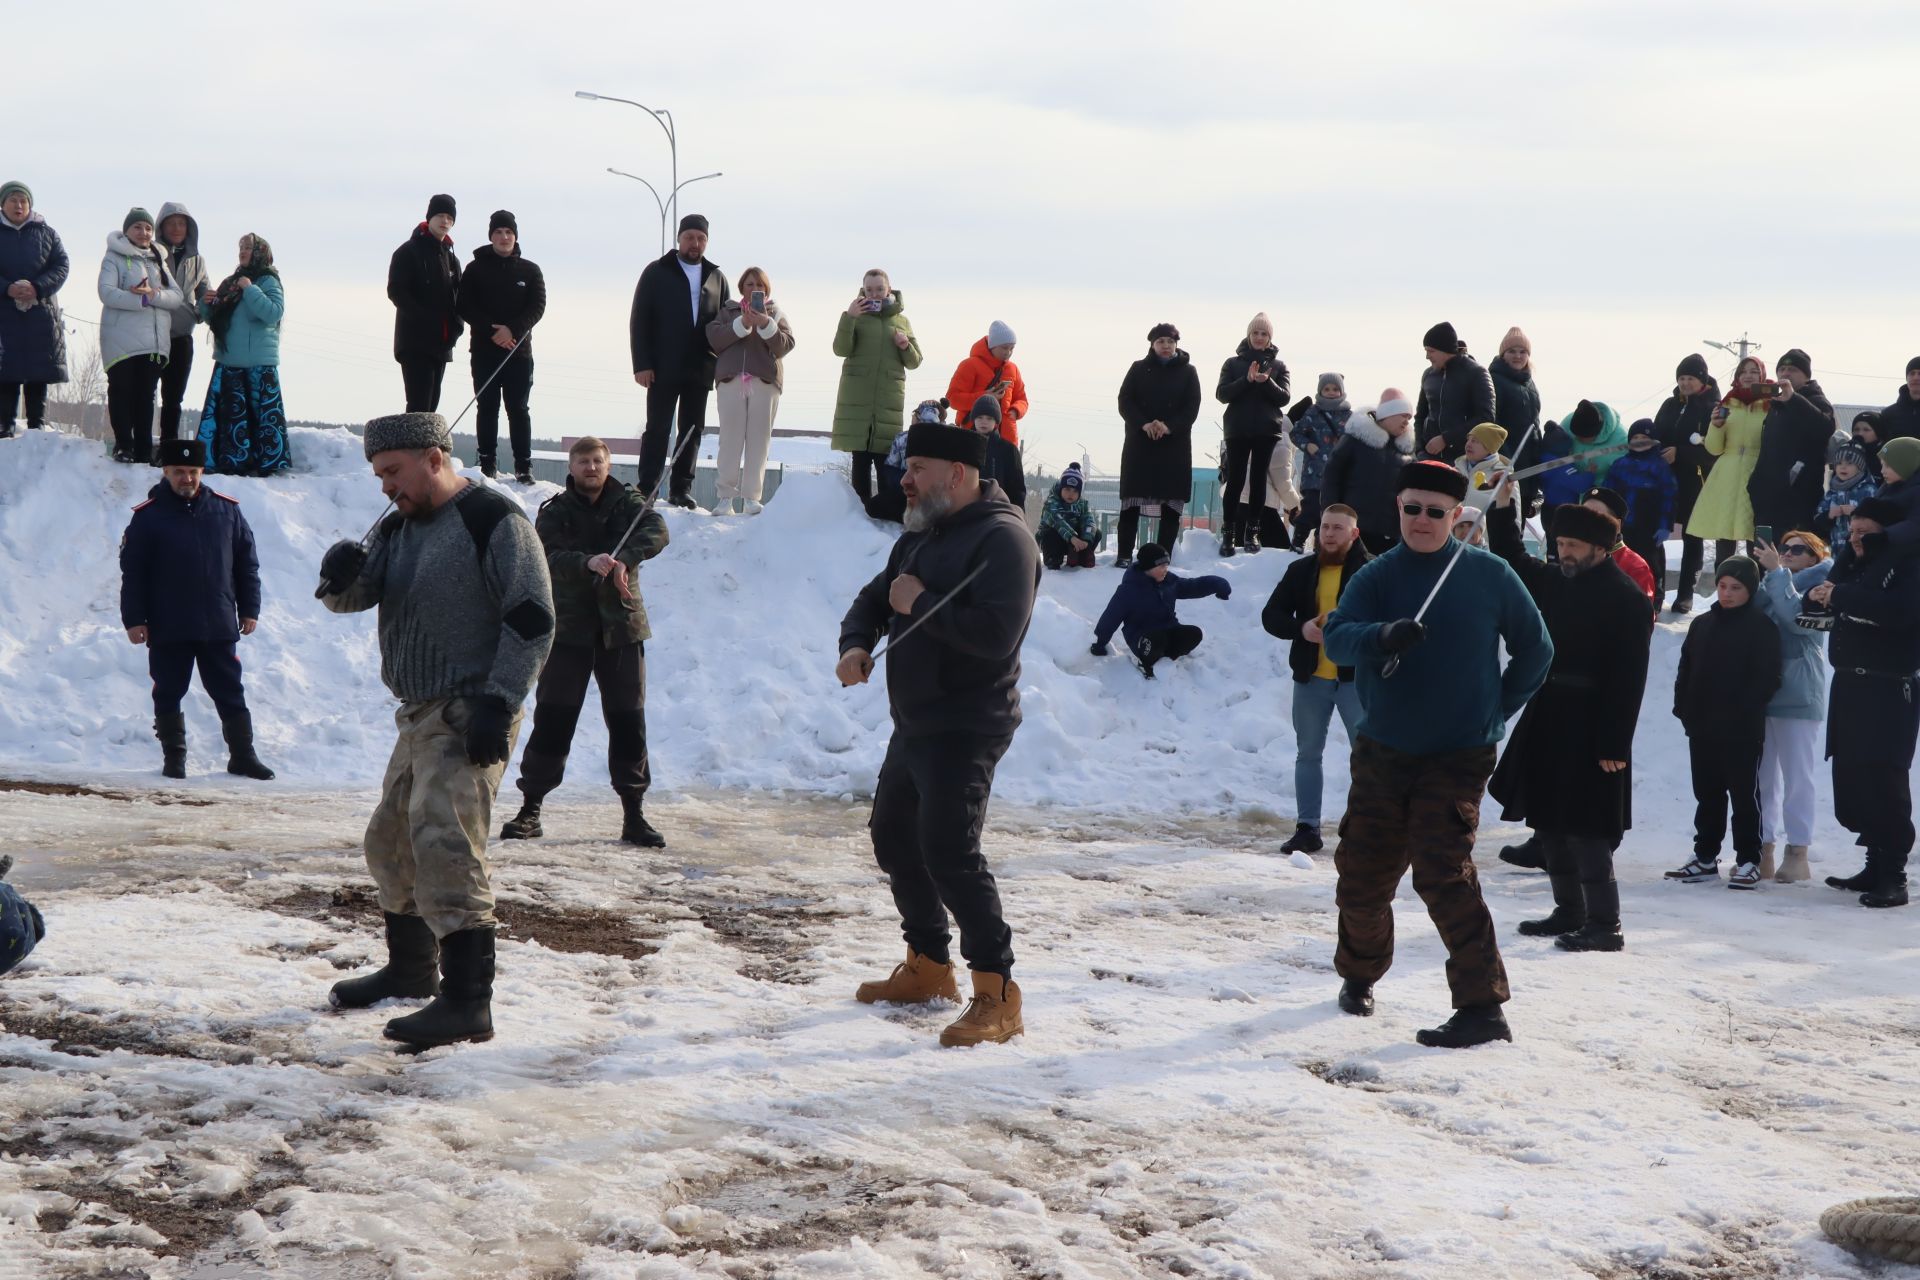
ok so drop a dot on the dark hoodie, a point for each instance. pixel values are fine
(501, 290)
(1790, 476)
(1901, 418)
(189, 268)
(1729, 670)
(959, 672)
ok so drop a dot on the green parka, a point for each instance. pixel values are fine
(871, 407)
(573, 532)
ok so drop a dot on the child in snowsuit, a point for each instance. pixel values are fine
(1482, 463)
(1651, 490)
(21, 925)
(1729, 672)
(1847, 488)
(1142, 609)
(1066, 518)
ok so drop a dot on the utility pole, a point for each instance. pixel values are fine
(1742, 343)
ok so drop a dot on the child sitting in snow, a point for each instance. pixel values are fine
(21, 925)
(1069, 533)
(1849, 486)
(1482, 463)
(1142, 609)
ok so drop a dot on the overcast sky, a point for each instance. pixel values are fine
(1621, 179)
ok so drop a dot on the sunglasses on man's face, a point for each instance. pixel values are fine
(1432, 513)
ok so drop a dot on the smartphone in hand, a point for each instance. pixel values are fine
(757, 301)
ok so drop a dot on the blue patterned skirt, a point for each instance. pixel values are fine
(244, 426)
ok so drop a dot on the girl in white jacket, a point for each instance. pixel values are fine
(138, 297)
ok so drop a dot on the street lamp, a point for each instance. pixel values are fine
(656, 196)
(664, 119)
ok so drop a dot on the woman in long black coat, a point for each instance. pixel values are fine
(1159, 401)
(1681, 427)
(33, 343)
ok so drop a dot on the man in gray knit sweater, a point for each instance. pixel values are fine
(466, 618)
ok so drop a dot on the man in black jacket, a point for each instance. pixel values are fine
(1873, 712)
(502, 297)
(1902, 417)
(1681, 427)
(189, 589)
(1567, 769)
(1790, 476)
(954, 603)
(1456, 395)
(677, 296)
(1297, 610)
(423, 283)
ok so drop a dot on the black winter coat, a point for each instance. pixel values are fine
(1454, 400)
(496, 290)
(1004, 469)
(1364, 473)
(1550, 776)
(1901, 418)
(33, 343)
(665, 334)
(1679, 420)
(1296, 602)
(573, 531)
(423, 283)
(1790, 476)
(1876, 640)
(1254, 409)
(188, 570)
(1167, 391)
(1729, 671)
(959, 672)
(1516, 406)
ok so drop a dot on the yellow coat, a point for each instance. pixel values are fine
(1724, 510)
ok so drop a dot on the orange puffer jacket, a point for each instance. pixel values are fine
(971, 380)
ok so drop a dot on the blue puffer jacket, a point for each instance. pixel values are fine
(33, 343)
(253, 338)
(1321, 426)
(1803, 658)
(188, 570)
(1140, 605)
(21, 927)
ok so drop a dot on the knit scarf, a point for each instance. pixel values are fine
(1754, 394)
(227, 297)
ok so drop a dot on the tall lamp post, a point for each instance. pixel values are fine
(656, 196)
(664, 119)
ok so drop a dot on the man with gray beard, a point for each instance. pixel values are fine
(954, 602)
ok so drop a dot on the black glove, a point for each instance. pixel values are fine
(1099, 650)
(340, 567)
(1398, 637)
(487, 731)
(1224, 592)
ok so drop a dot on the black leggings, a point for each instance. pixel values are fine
(173, 387)
(1247, 462)
(865, 464)
(1130, 529)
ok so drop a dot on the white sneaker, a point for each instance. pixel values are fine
(750, 507)
(1697, 870)
(1745, 876)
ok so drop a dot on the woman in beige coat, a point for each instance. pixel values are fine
(749, 337)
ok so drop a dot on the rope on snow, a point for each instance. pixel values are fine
(1888, 1226)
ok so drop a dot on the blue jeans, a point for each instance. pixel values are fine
(1313, 706)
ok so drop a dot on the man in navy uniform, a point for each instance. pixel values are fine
(189, 589)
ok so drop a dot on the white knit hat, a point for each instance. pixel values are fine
(1000, 334)
(1388, 408)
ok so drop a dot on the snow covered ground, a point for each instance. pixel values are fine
(682, 1086)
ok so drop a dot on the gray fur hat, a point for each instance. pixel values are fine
(408, 431)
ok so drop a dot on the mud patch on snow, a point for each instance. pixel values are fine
(816, 1203)
(1740, 1252)
(32, 787)
(80, 1035)
(777, 935)
(581, 930)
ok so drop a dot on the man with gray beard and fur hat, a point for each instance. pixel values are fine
(954, 602)
(466, 619)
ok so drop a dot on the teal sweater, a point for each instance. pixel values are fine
(1449, 693)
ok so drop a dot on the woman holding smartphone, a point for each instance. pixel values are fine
(1724, 511)
(875, 342)
(1253, 386)
(749, 337)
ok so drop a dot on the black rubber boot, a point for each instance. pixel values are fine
(1859, 882)
(1475, 1024)
(1527, 854)
(463, 1011)
(1888, 882)
(487, 467)
(524, 825)
(1569, 912)
(172, 732)
(1602, 930)
(1356, 998)
(238, 732)
(410, 973)
(634, 827)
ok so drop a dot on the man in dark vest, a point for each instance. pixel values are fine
(189, 589)
(600, 633)
(676, 297)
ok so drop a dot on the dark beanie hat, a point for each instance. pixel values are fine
(1584, 421)
(694, 222)
(135, 215)
(1741, 569)
(948, 444)
(1911, 364)
(503, 218)
(984, 407)
(1885, 512)
(1163, 330)
(1607, 498)
(1796, 359)
(440, 204)
(1641, 427)
(1584, 524)
(1433, 477)
(1442, 338)
(1694, 366)
(1151, 556)
(180, 453)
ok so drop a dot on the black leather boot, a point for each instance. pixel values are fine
(409, 974)
(634, 827)
(463, 1011)
(1356, 998)
(1569, 912)
(1527, 853)
(238, 731)
(524, 825)
(1602, 930)
(172, 732)
(1475, 1024)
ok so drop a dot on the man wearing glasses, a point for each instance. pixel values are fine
(1425, 745)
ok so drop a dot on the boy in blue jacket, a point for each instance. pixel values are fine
(1648, 484)
(1142, 609)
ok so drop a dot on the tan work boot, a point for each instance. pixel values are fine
(1766, 861)
(1794, 868)
(992, 1016)
(915, 980)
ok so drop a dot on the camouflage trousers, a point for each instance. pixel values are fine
(1419, 811)
(427, 841)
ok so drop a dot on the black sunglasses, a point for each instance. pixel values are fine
(1432, 513)
(1796, 549)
